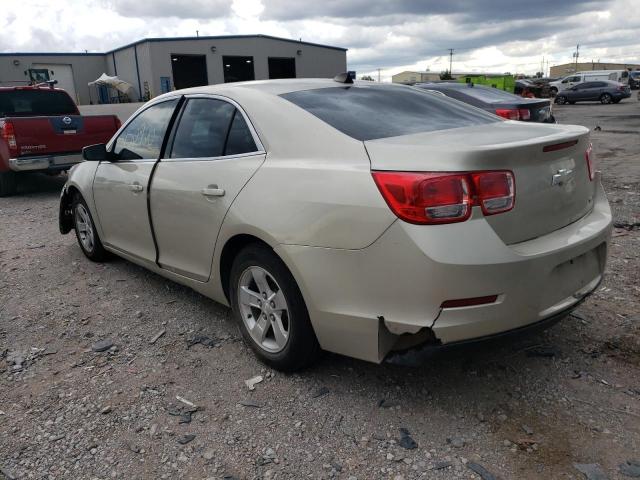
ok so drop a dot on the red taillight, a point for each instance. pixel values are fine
(435, 197)
(8, 134)
(508, 113)
(588, 156)
(525, 114)
(495, 191)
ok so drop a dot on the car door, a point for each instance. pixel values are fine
(120, 185)
(596, 90)
(212, 154)
(581, 91)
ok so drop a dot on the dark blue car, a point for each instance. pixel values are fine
(603, 91)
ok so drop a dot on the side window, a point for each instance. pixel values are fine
(203, 129)
(240, 139)
(142, 138)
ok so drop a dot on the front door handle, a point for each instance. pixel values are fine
(136, 187)
(212, 191)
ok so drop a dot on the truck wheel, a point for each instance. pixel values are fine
(86, 232)
(8, 183)
(270, 311)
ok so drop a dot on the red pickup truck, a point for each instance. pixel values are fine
(41, 130)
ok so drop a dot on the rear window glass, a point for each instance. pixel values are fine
(367, 113)
(15, 103)
(489, 94)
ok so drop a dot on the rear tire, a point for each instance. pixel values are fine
(605, 98)
(270, 311)
(8, 183)
(561, 99)
(86, 232)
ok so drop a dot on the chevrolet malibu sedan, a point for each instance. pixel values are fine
(358, 218)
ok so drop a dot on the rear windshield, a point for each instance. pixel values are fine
(489, 94)
(26, 103)
(367, 113)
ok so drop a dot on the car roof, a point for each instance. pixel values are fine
(30, 87)
(274, 87)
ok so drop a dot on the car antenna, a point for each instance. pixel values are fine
(346, 77)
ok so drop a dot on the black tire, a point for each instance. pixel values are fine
(617, 100)
(94, 250)
(8, 183)
(301, 348)
(561, 99)
(572, 102)
(605, 98)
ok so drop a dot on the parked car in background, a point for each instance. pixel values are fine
(355, 217)
(602, 91)
(41, 130)
(634, 80)
(498, 102)
(588, 76)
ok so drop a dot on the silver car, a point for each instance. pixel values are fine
(358, 218)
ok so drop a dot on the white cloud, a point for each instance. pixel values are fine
(392, 35)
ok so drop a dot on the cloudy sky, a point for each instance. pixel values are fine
(393, 35)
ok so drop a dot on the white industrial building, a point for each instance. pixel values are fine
(157, 65)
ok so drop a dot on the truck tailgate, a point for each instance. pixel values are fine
(61, 134)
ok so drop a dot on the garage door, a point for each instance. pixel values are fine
(63, 73)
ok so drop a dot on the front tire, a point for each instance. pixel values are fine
(605, 98)
(270, 311)
(86, 232)
(8, 183)
(561, 99)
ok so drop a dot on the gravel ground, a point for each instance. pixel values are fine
(167, 397)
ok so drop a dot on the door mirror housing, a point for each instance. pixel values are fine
(96, 153)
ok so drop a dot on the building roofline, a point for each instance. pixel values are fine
(51, 54)
(222, 37)
(167, 39)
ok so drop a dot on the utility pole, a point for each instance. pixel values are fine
(450, 59)
(378, 75)
(197, 33)
(576, 55)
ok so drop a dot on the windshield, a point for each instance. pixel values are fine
(370, 112)
(26, 103)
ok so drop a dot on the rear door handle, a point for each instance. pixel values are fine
(212, 191)
(136, 187)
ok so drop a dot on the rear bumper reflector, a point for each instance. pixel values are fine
(469, 302)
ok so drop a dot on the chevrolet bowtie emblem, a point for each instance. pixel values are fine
(561, 176)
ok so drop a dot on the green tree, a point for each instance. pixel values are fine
(367, 77)
(446, 75)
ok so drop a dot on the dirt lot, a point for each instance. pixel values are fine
(524, 409)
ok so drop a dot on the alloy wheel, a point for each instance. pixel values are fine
(84, 227)
(264, 309)
(606, 98)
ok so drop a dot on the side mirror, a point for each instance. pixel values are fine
(96, 153)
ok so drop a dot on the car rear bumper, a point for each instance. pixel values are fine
(363, 302)
(44, 162)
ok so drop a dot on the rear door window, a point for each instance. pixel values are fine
(239, 140)
(370, 112)
(203, 129)
(26, 103)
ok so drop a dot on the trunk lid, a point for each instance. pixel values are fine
(553, 188)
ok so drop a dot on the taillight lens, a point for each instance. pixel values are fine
(495, 191)
(525, 114)
(508, 113)
(8, 134)
(436, 198)
(588, 155)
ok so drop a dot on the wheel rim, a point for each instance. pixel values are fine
(264, 309)
(84, 228)
(606, 98)
(561, 100)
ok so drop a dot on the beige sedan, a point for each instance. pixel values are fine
(358, 218)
